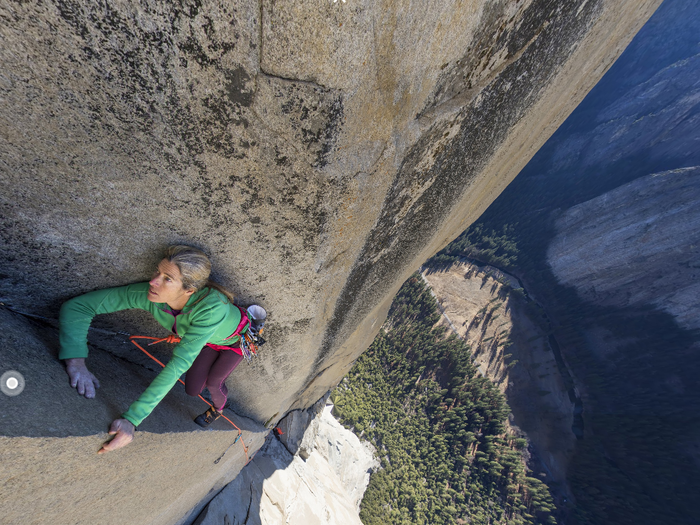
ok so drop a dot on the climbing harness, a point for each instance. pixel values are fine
(176, 339)
(254, 317)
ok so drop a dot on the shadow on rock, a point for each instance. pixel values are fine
(49, 407)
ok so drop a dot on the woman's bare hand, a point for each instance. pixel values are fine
(123, 429)
(81, 378)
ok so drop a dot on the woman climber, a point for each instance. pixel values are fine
(182, 299)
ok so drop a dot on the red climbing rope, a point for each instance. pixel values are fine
(175, 339)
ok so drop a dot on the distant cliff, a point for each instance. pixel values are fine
(509, 343)
(636, 245)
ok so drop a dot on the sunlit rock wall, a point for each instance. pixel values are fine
(323, 484)
(320, 151)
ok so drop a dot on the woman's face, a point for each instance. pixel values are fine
(166, 286)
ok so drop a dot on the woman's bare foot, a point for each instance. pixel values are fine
(81, 378)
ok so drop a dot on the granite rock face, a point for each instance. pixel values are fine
(293, 427)
(513, 351)
(637, 244)
(615, 249)
(318, 151)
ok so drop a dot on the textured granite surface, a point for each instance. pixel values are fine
(319, 151)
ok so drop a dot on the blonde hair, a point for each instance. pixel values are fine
(195, 268)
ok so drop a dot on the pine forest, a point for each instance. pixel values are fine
(438, 426)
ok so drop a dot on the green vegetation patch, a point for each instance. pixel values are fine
(438, 428)
(498, 248)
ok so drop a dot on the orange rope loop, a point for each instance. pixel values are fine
(175, 339)
(169, 339)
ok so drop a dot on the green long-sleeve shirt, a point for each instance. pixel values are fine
(208, 317)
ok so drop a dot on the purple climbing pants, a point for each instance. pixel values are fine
(210, 369)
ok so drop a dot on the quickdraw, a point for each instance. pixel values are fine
(252, 339)
(250, 343)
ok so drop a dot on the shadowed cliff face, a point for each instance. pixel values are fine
(636, 245)
(319, 152)
(50, 438)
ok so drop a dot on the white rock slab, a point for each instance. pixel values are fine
(351, 459)
(277, 488)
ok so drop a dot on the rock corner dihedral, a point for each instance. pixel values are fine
(318, 151)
